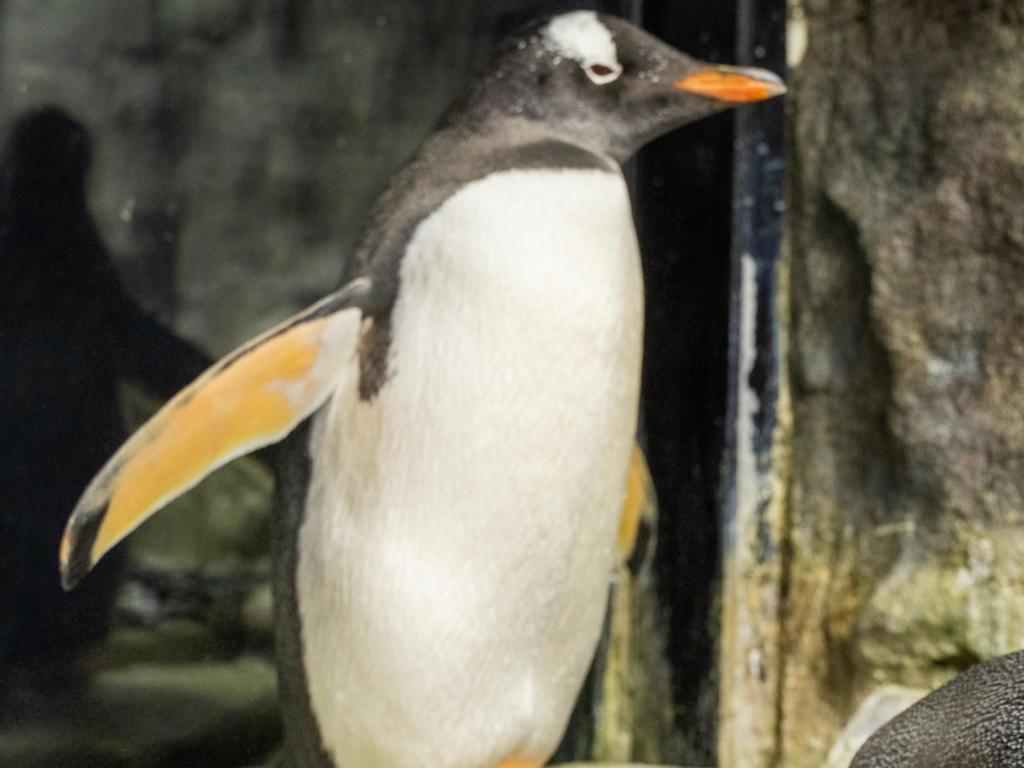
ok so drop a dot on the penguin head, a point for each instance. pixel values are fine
(603, 83)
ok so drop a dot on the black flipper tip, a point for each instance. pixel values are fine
(80, 536)
(70, 577)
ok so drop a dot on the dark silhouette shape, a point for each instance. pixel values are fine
(976, 720)
(68, 333)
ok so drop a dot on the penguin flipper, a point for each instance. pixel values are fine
(637, 521)
(251, 398)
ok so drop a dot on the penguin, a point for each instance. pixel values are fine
(976, 720)
(68, 334)
(449, 513)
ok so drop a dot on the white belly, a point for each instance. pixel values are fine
(458, 541)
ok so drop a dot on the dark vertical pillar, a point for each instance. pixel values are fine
(683, 208)
(750, 659)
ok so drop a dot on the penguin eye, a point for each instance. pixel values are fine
(602, 73)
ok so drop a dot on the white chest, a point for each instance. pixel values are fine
(454, 559)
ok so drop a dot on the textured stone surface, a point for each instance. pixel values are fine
(907, 241)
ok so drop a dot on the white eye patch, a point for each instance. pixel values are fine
(582, 37)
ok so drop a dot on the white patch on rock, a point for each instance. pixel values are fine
(582, 37)
(797, 35)
(748, 482)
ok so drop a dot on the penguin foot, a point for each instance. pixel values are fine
(519, 761)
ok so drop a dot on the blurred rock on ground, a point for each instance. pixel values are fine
(213, 715)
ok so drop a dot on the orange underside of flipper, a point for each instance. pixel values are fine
(250, 399)
(207, 425)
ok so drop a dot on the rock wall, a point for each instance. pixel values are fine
(906, 521)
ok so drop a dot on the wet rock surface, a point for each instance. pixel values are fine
(907, 516)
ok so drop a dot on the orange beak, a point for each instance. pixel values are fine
(733, 85)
